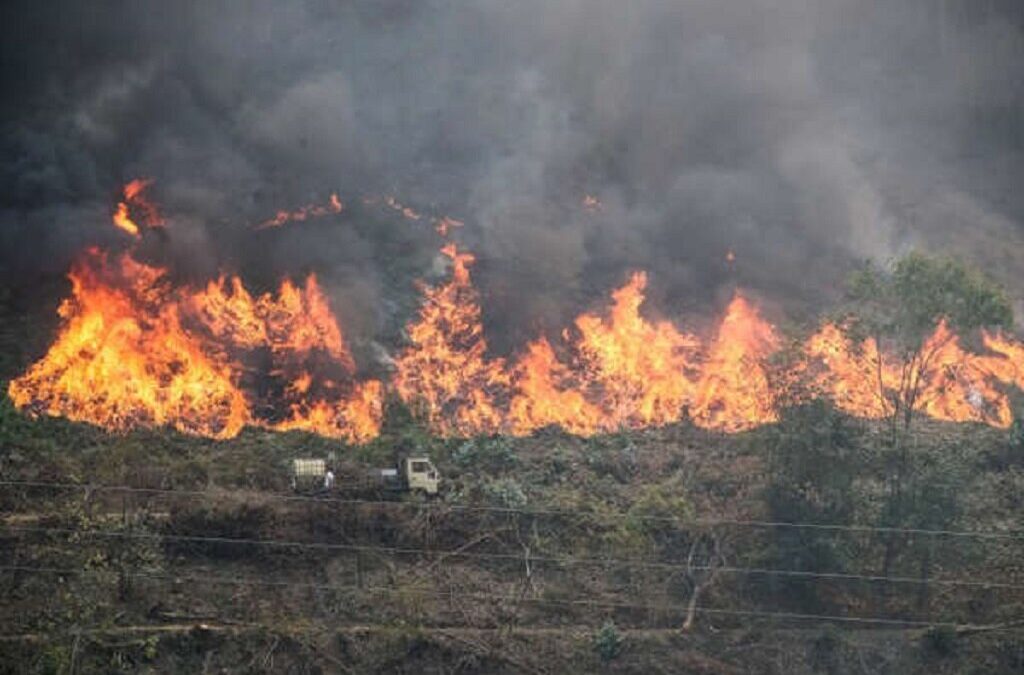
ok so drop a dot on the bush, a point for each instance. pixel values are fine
(493, 454)
(506, 492)
(613, 456)
(1017, 435)
(608, 642)
(939, 641)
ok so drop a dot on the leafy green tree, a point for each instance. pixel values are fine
(899, 307)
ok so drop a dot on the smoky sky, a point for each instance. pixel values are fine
(804, 135)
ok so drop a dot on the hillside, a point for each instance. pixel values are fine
(545, 554)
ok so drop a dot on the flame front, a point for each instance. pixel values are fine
(135, 351)
(618, 371)
(625, 372)
(853, 375)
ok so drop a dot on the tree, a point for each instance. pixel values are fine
(900, 308)
(813, 456)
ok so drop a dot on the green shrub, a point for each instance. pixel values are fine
(613, 457)
(608, 642)
(506, 492)
(1017, 435)
(493, 454)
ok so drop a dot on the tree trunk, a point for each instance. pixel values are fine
(691, 608)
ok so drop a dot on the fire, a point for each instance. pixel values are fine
(1007, 365)
(406, 211)
(618, 370)
(333, 205)
(854, 376)
(957, 385)
(627, 372)
(733, 392)
(134, 200)
(136, 351)
(446, 370)
(125, 359)
(952, 383)
(548, 394)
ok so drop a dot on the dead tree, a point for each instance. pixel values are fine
(703, 563)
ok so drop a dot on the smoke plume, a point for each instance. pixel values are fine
(577, 139)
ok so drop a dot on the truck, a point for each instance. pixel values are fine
(412, 474)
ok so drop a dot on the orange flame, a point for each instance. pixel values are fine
(733, 393)
(548, 394)
(628, 373)
(134, 199)
(1007, 365)
(622, 370)
(135, 351)
(445, 369)
(124, 359)
(854, 376)
(952, 383)
(333, 205)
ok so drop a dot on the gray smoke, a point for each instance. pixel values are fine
(803, 135)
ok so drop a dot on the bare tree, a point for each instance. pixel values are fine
(703, 563)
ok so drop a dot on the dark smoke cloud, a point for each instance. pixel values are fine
(804, 135)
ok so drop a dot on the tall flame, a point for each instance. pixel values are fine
(135, 351)
(124, 359)
(446, 369)
(620, 371)
(627, 372)
(854, 375)
(733, 393)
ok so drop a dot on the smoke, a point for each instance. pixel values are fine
(802, 135)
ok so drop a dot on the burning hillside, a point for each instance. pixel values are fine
(137, 350)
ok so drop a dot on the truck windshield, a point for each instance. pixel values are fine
(420, 467)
